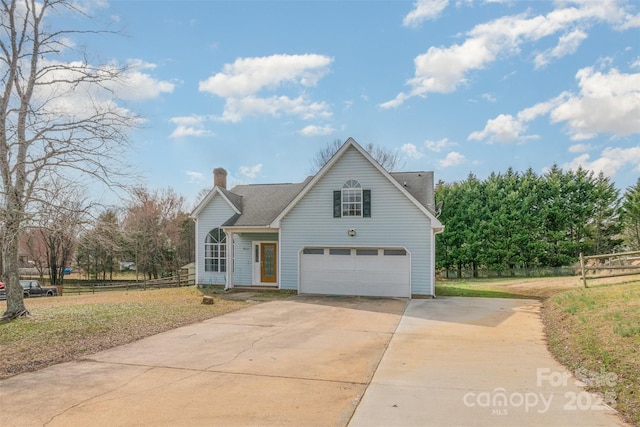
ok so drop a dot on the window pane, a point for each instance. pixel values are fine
(313, 251)
(366, 252)
(339, 251)
(395, 252)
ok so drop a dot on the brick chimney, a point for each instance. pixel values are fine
(220, 178)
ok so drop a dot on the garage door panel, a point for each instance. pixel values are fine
(364, 274)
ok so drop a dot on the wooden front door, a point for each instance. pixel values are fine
(268, 263)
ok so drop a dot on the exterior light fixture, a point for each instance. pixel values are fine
(351, 232)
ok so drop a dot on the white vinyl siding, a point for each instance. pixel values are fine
(395, 222)
(210, 217)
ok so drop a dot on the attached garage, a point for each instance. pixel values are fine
(384, 272)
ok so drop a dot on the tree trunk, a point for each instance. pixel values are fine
(15, 297)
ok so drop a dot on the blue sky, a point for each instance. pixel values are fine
(455, 86)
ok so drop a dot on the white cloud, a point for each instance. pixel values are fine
(635, 65)
(184, 131)
(424, 10)
(452, 159)
(237, 108)
(580, 148)
(247, 76)
(438, 146)
(444, 69)
(607, 103)
(489, 98)
(137, 85)
(611, 160)
(504, 128)
(313, 130)
(250, 171)
(190, 126)
(411, 151)
(194, 177)
(242, 82)
(65, 90)
(567, 44)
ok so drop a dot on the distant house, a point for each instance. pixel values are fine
(352, 229)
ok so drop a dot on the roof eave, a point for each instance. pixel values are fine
(208, 198)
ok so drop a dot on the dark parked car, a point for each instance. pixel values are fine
(32, 288)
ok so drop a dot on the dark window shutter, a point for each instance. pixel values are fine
(366, 203)
(337, 204)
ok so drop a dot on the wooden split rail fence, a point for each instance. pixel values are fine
(609, 265)
(166, 282)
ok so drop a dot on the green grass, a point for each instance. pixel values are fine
(70, 327)
(597, 330)
(474, 290)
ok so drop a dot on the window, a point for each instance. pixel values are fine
(366, 252)
(215, 251)
(313, 251)
(352, 200)
(395, 252)
(339, 251)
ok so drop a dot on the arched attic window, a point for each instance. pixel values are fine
(215, 251)
(352, 198)
(351, 201)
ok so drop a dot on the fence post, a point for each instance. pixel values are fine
(584, 277)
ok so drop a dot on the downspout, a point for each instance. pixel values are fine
(230, 256)
(196, 279)
(433, 260)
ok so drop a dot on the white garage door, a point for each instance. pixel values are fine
(384, 272)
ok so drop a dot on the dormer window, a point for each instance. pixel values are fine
(352, 201)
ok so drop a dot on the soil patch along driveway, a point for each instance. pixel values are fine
(303, 361)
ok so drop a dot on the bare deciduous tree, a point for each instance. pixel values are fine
(100, 246)
(58, 116)
(153, 223)
(58, 219)
(388, 159)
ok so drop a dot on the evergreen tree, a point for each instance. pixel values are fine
(630, 217)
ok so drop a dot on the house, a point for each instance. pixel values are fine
(352, 229)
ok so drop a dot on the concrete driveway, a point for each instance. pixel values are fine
(317, 361)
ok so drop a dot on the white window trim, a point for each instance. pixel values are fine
(351, 208)
(210, 248)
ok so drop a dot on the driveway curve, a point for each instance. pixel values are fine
(319, 361)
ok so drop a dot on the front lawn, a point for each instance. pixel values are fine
(69, 327)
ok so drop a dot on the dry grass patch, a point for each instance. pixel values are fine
(69, 327)
(597, 331)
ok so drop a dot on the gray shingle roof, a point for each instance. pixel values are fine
(419, 185)
(260, 204)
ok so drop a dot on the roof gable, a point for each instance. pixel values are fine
(435, 224)
(233, 200)
(262, 203)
